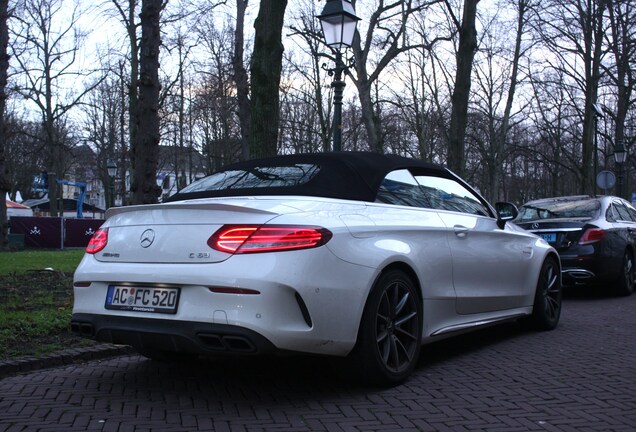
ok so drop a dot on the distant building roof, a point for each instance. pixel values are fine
(15, 205)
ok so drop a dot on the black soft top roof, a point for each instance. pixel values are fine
(345, 175)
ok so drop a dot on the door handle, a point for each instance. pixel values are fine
(460, 231)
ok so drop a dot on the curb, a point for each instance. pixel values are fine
(60, 358)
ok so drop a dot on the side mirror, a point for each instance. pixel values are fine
(505, 212)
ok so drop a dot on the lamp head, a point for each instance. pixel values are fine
(338, 20)
(620, 153)
(111, 168)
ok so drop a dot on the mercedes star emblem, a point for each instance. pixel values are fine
(147, 237)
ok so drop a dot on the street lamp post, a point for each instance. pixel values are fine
(338, 86)
(338, 20)
(620, 156)
(112, 172)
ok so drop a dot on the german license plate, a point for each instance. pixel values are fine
(142, 299)
(549, 237)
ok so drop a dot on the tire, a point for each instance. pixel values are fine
(546, 310)
(389, 338)
(625, 282)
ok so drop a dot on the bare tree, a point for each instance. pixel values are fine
(497, 78)
(5, 186)
(621, 70)
(46, 45)
(102, 127)
(299, 120)
(385, 37)
(189, 26)
(23, 154)
(419, 101)
(573, 32)
(126, 11)
(555, 145)
(217, 101)
(183, 47)
(308, 32)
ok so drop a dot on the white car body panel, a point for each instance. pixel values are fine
(489, 264)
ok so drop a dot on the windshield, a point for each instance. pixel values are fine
(255, 177)
(580, 209)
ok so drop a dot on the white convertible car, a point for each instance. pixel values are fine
(354, 255)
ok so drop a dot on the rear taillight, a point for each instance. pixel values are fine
(592, 235)
(268, 238)
(98, 241)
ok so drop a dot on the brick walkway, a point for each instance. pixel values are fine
(580, 377)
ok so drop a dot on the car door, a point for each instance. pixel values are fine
(631, 228)
(414, 222)
(623, 223)
(490, 264)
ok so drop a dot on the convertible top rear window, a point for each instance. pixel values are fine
(342, 175)
(256, 177)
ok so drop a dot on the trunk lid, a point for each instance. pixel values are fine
(559, 233)
(178, 232)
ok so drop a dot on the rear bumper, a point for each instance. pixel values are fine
(170, 335)
(302, 304)
(577, 275)
(589, 270)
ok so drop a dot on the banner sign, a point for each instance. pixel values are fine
(55, 232)
(79, 231)
(39, 232)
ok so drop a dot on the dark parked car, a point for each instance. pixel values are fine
(595, 237)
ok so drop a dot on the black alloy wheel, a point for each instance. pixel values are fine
(390, 333)
(547, 300)
(625, 285)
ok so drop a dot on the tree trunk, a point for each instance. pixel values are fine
(265, 72)
(593, 56)
(123, 144)
(371, 121)
(461, 92)
(241, 79)
(133, 95)
(4, 181)
(146, 148)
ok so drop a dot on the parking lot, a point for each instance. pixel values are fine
(580, 377)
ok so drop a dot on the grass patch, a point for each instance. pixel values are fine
(19, 262)
(36, 304)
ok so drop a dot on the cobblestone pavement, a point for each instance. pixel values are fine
(580, 377)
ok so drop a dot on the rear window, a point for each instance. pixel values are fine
(255, 177)
(583, 209)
